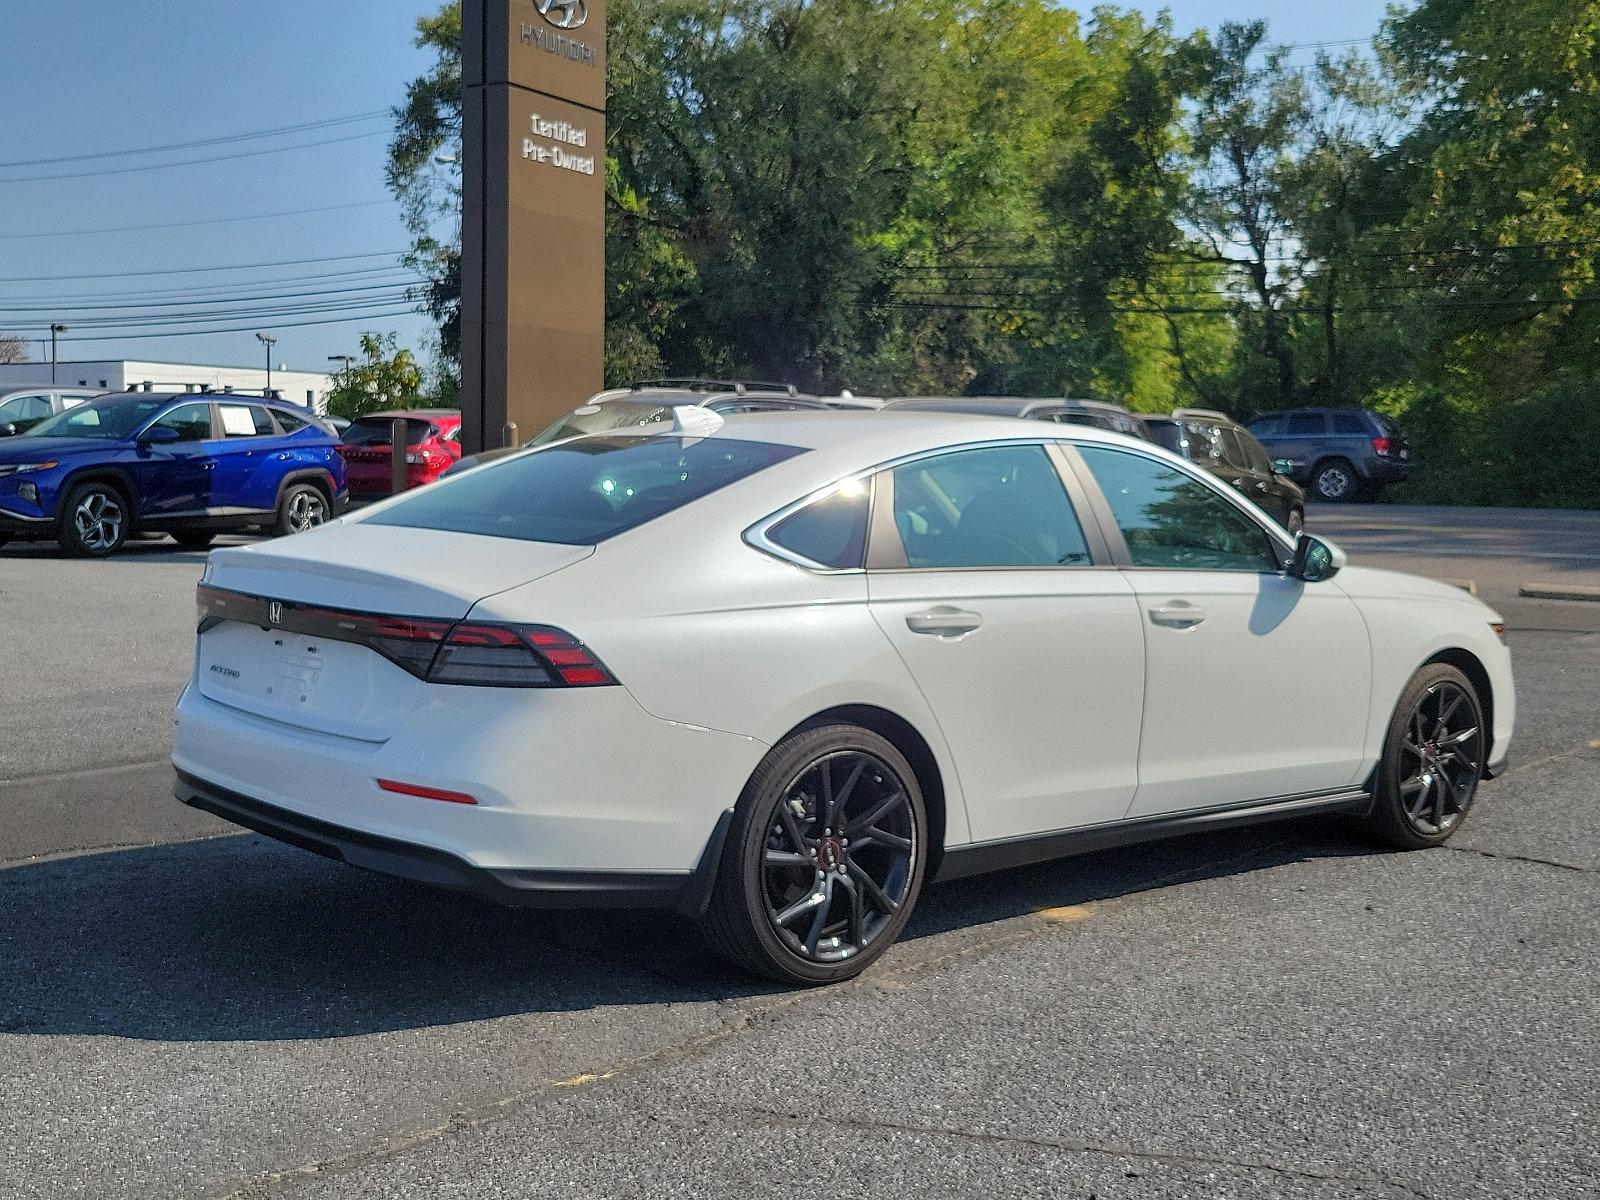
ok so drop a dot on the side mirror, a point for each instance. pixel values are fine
(1282, 466)
(1316, 560)
(8, 430)
(158, 435)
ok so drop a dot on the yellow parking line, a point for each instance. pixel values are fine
(1069, 914)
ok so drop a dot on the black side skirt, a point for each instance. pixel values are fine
(688, 893)
(984, 857)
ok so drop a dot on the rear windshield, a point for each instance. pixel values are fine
(585, 491)
(375, 431)
(604, 418)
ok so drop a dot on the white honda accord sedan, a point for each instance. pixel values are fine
(779, 672)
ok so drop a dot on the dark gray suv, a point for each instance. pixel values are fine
(1339, 453)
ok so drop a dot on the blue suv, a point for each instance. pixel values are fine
(191, 464)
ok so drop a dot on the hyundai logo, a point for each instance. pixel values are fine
(275, 613)
(564, 14)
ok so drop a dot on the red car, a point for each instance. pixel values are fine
(432, 447)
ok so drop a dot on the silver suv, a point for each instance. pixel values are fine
(20, 411)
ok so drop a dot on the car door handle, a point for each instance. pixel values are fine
(943, 622)
(1177, 615)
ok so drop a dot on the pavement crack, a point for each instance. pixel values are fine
(1520, 858)
(1105, 1149)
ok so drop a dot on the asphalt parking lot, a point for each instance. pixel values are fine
(1272, 1013)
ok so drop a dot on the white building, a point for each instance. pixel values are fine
(309, 388)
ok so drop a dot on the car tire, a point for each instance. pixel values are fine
(195, 540)
(94, 521)
(1433, 760)
(301, 508)
(1296, 524)
(793, 899)
(1335, 480)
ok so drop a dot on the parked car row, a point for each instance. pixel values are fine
(90, 471)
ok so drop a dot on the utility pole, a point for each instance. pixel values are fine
(267, 340)
(55, 332)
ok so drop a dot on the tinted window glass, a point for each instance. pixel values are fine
(289, 421)
(191, 421)
(1265, 427)
(1300, 424)
(1233, 449)
(832, 532)
(1205, 444)
(1168, 434)
(1001, 506)
(1254, 454)
(374, 431)
(583, 492)
(1171, 520)
(1347, 423)
(605, 418)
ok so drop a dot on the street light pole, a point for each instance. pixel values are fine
(267, 340)
(55, 332)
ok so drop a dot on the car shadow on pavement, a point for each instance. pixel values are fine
(239, 939)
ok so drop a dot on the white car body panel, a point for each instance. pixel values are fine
(1035, 748)
(1223, 717)
(1067, 708)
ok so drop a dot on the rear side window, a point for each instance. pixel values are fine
(1347, 423)
(1304, 424)
(1169, 435)
(583, 492)
(1266, 427)
(1205, 444)
(1001, 506)
(243, 421)
(290, 422)
(831, 532)
(374, 431)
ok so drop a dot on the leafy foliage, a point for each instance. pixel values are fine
(1011, 196)
(385, 378)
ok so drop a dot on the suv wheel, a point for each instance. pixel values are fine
(302, 508)
(1335, 480)
(94, 521)
(824, 861)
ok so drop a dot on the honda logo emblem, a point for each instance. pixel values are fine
(275, 613)
(564, 14)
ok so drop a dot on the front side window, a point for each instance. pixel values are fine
(584, 492)
(1254, 455)
(191, 421)
(25, 408)
(1173, 521)
(1305, 425)
(999, 506)
(831, 532)
(1266, 427)
(1205, 444)
(1234, 451)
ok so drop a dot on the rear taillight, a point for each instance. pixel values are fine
(461, 653)
(1382, 445)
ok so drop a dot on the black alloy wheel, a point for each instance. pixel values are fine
(1433, 760)
(825, 859)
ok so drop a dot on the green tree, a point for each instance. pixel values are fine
(385, 378)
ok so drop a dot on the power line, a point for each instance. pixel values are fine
(221, 139)
(298, 212)
(196, 162)
(350, 320)
(288, 262)
(94, 307)
(394, 274)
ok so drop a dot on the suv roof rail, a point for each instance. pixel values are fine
(737, 386)
(1204, 414)
(1095, 402)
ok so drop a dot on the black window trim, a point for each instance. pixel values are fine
(1277, 538)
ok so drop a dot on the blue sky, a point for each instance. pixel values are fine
(86, 77)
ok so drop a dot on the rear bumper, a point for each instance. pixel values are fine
(688, 894)
(1387, 470)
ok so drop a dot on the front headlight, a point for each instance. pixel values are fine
(24, 468)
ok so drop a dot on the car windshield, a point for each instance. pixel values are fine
(583, 492)
(377, 431)
(604, 418)
(103, 420)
